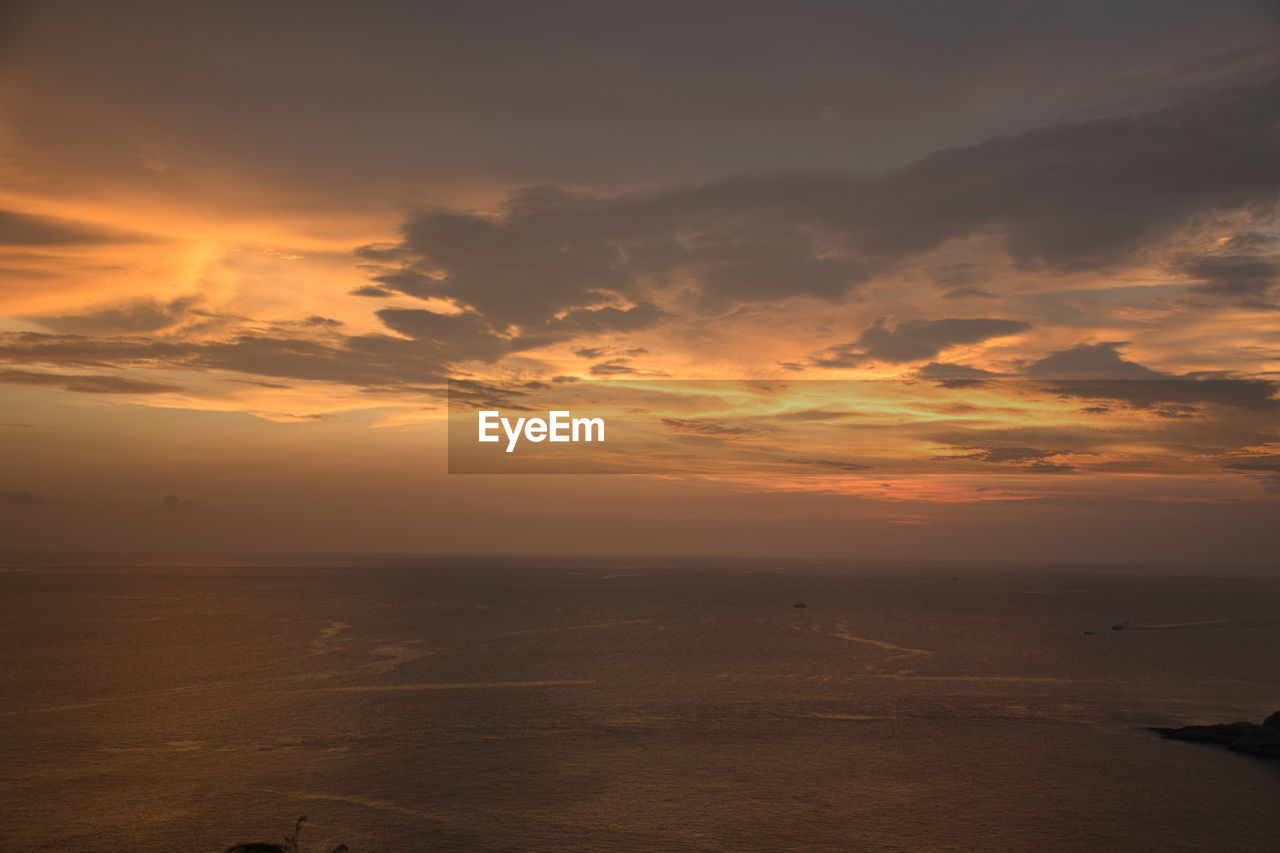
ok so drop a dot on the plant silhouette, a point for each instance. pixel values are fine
(290, 844)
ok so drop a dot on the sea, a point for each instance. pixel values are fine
(168, 702)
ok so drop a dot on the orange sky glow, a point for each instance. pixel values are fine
(231, 294)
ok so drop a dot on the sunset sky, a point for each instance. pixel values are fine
(243, 247)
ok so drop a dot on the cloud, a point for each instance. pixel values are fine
(1090, 361)
(915, 340)
(830, 465)
(958, 373)
(86, 383)
(554, 267)
(1029, 458)
(1234, 276)
(23, 229)
(563, 262)
(1176, 397)
(469, 336)
(475, 394)
(968, 293)
(1198, 67)
(592, 321)
(1244, 269)
(452, 337)
(598, 352)
(372, 362)
(1099, 372)
(1264, 463)
(1005, 453)
(374, 291)
(1082, 196)
(613, 367)
(147, 315)
(1263, 467)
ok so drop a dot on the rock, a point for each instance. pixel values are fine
(1248, 738)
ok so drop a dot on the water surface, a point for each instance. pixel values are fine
(173, 703)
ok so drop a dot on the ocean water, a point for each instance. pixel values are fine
(159, 703)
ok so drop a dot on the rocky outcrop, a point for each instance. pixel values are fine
(1249, 738)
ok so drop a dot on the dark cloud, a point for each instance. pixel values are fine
(915, 340)
(950, 373)
(373, 362)
(1250, 241)
(837, 465)
(277, 385)
(469, 336)
(148, 315)
(22, 229)
(598, 352)
(613, 367)
(1068, 197)
(471, 394)
(453, 337)
(1264, 463)
(1245, 278)
(592, 321)
(1265, 468)
(1005, 453)
(559, 261)
(87, 351)
(968, 293)
(554, 267)
(1197, 67)
(374, 291)
(1090, 361)
(88, 384)
(1174, 398)
(1175, 411)
(1084, 196)
(775, 264)
(593, 93)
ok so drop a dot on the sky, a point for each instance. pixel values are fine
(244, 247)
